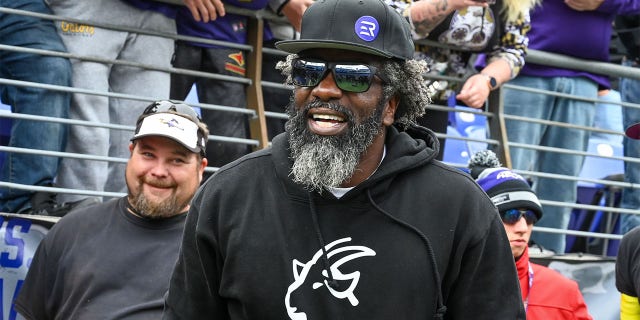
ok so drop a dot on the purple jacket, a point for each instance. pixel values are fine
(582, 34)
(230, 28)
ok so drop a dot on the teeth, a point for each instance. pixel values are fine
(327, 117)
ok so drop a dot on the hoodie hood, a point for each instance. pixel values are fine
(406, 150)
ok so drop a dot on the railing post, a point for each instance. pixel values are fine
(255, 99)
(497, 128)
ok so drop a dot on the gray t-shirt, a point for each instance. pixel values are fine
(102, 262)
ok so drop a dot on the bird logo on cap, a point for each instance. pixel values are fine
(172, 123)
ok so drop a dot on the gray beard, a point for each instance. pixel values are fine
(319, 161)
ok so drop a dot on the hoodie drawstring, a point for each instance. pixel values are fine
(333, 283)
(441, 309)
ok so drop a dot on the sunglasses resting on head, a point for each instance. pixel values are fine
(167, 106)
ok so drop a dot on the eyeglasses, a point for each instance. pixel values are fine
(351, 77)
(170, 106)
(512, 216)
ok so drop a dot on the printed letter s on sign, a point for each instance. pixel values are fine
(6, 260)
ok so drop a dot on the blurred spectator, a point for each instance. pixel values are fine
(553, 27)
(628, 275)
(113, 260)
(547, 294)
(88, 40)
(22, 168)
(464, 27)
(628, 28)
(219, 60)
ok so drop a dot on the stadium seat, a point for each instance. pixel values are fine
(598, 168)
(455, 151)
(601, 221)
(462, 120)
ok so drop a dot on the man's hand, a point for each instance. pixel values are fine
(583, 5)
(426, 15)
(205, 10)
(294, 9)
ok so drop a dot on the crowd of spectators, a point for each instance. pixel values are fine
(492, 54)
(76, 38)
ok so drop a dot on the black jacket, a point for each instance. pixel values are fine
(628, 29)
(253, 244)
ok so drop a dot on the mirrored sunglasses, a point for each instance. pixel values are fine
(350, 77)
(512, 216)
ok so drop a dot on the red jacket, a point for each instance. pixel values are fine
(552, 295)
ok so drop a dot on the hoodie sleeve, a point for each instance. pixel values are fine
(193, 289)
(580, 310)
(514, 43)
(486, 286)
(628, 264)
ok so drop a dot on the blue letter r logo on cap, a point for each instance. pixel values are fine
(367, 28)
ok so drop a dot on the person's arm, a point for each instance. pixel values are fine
(504, 63)
(205, 10)
(425, 15)
(584, 5)
(193, 288)
(629, 307)
(292, 9)
(608, 6)
(476, 89)
(580, 310)
(483, 284)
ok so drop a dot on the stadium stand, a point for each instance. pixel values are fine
(470, 130)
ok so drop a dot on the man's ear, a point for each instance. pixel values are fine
(201, 167)
(131, 145)
(203, 164)
(389, 113)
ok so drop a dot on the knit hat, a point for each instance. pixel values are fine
(507, 189)
(368, 26)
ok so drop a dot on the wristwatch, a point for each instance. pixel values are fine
(491, 81)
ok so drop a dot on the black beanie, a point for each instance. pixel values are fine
(507, 189)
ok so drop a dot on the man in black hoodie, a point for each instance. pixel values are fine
(347, 215)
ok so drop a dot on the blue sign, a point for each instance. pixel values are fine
(19, 239)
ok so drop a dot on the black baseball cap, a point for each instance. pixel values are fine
(368, 26)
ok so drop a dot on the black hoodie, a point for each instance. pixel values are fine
(253, 244)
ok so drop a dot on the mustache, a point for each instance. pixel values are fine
(157, 183)
(317, 103)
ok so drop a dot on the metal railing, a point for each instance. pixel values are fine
(257, 115)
